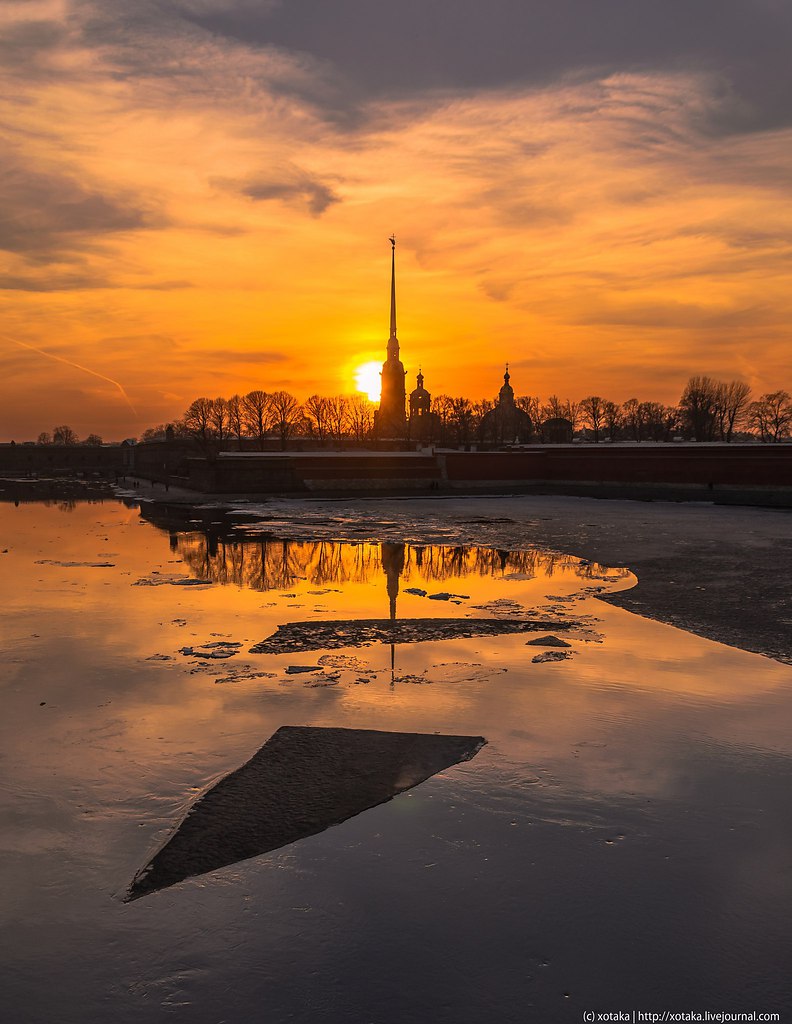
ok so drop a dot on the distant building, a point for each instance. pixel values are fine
(390, 420)
(507, 423)
(422, 419)
(557, 430)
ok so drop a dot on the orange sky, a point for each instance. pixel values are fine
(184, 215)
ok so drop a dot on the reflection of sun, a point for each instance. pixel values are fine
(368, 379)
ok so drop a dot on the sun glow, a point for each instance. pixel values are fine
(368, 379)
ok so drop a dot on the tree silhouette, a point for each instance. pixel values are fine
(360, 417)
(285, 413)
(771, 415)
(255, 414)
(593, 412)
(731, 406)
(64, 435)
(698, 404)
(337, 416)
(316, 412)
(236, 418)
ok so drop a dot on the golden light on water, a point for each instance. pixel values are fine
(369, 381)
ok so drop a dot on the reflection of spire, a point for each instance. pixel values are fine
(393, 341)
(393, 566)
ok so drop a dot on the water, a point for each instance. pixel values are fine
(622, 842)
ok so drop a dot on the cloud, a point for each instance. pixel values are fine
(565, 194)
(390, 50)
(317, 195)
(682, 316)
(26, 46)
(291, 186)
(43, 280)
(44, 212)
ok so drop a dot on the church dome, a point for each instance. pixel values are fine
(506, 393)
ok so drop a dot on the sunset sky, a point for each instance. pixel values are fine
(196, 198)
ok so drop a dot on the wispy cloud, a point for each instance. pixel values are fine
(290, 185)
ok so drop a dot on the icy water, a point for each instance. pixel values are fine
(622, 841)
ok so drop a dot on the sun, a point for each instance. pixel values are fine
(368, 379)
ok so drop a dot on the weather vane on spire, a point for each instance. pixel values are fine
(392, 240)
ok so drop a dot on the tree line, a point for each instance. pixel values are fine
(708, 410)
(64, 435)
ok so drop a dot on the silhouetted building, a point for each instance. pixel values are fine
(390, 420)
(507, 423)
(422, 420)
(557, 431)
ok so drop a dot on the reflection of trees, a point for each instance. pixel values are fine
(438, 562)
(270, 564)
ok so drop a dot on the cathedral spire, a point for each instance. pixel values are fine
(390, 418)
(393, 343)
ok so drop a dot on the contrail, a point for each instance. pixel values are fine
(68, 362)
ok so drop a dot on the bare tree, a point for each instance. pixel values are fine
(236, 418)
(592, 410)
(480, 410)
(731, 405)
(653, 421)
(198, 422)
(771, 415)
(286, 414)
(219, 419)
(93, 439)
(698, 406)
(555, 409)
(461, 420)
(532, 405)
(633, 414)
(316, 413)
(671, 416)
(255, 411)
(154, 433)
(612, 417)
(442, 407)
(64, 435)
(44, 438)
(360, 417)
(337, 413)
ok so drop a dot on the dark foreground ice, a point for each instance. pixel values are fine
(302, 781)
(330, 635)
